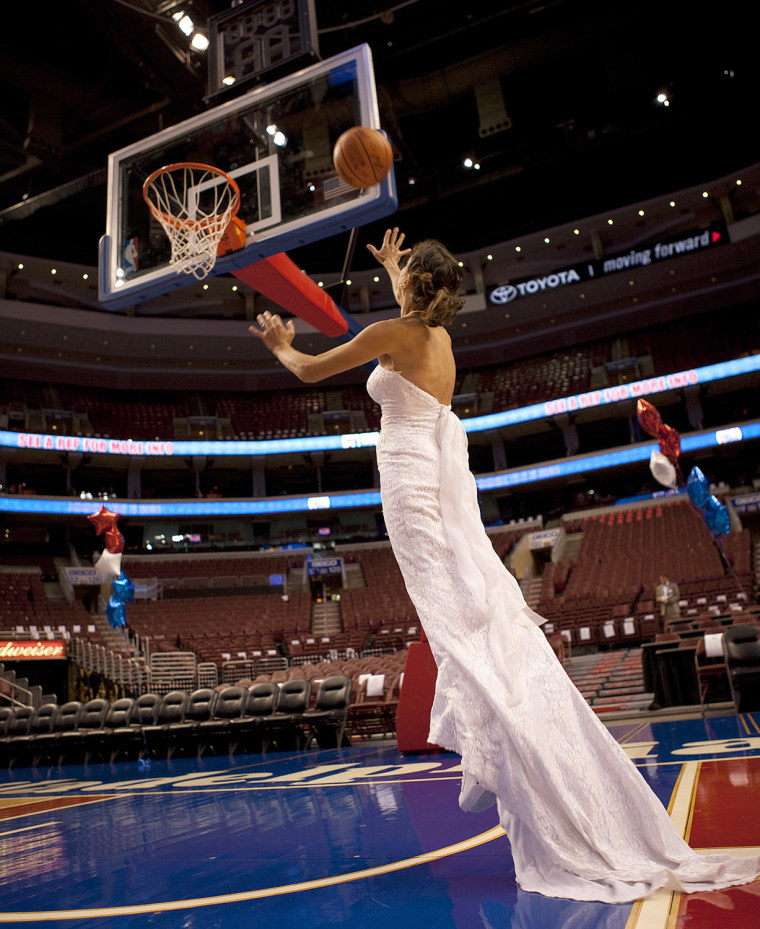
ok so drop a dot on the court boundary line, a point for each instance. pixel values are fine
(242, 896)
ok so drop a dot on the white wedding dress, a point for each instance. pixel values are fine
(581, 820)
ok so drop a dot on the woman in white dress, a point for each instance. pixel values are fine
(581, 820)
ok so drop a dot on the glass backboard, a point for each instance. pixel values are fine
(276, 141)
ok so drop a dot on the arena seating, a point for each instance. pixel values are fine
(215, 612)
(604, 597)
(26, 611)
(678, 347)
(156, 725)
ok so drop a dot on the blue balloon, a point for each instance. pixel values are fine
(697, 487)
(124, 589)
(712, 504)
(115, 612)
(717, 517)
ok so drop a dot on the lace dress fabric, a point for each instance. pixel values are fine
(581, 820)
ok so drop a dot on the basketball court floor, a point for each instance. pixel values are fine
(361, 836)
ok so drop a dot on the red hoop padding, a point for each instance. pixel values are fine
(278, 278)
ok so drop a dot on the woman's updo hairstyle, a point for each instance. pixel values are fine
(435, 279)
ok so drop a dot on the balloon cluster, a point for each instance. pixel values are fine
(716, 514)
(666, 470)
(663, 464)
(108, 566)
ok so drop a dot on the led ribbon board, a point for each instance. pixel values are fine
(279, 505)
(594, 398)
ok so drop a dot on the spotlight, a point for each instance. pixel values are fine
(184, 22)
(199, 42)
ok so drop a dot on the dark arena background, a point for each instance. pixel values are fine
(214, 688)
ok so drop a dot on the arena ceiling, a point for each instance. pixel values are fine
(578, 81)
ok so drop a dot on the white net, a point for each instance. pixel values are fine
(194, 204)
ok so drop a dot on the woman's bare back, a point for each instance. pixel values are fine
(424, 357)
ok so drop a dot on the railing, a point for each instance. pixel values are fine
(168, 671)
(237, 670)
(126, 672)
(20, 695)
(172, 671)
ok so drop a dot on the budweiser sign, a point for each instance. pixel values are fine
(22, 649)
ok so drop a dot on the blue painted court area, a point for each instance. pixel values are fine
(359, 836)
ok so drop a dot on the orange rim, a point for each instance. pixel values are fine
(188, 223)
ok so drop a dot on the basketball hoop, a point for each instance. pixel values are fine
(195, 204)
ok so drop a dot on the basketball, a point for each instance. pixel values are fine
(362, 156)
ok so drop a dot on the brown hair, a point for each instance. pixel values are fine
(435, 278)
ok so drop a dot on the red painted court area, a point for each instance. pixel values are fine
(726, 811)
(725, 815)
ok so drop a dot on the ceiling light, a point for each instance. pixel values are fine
(199, 42)
(468, 162)
(229, 80)
(280, 139)
(705, 194)
(641, 212)
(185, 24)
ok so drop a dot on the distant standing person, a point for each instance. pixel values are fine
(668, 595)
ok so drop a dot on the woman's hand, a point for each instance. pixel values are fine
(390, 252)
(272, 331)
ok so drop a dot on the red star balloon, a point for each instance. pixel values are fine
(114, 541)
(649, 418)
(104, 520)
(668, 438)
(670, 443)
